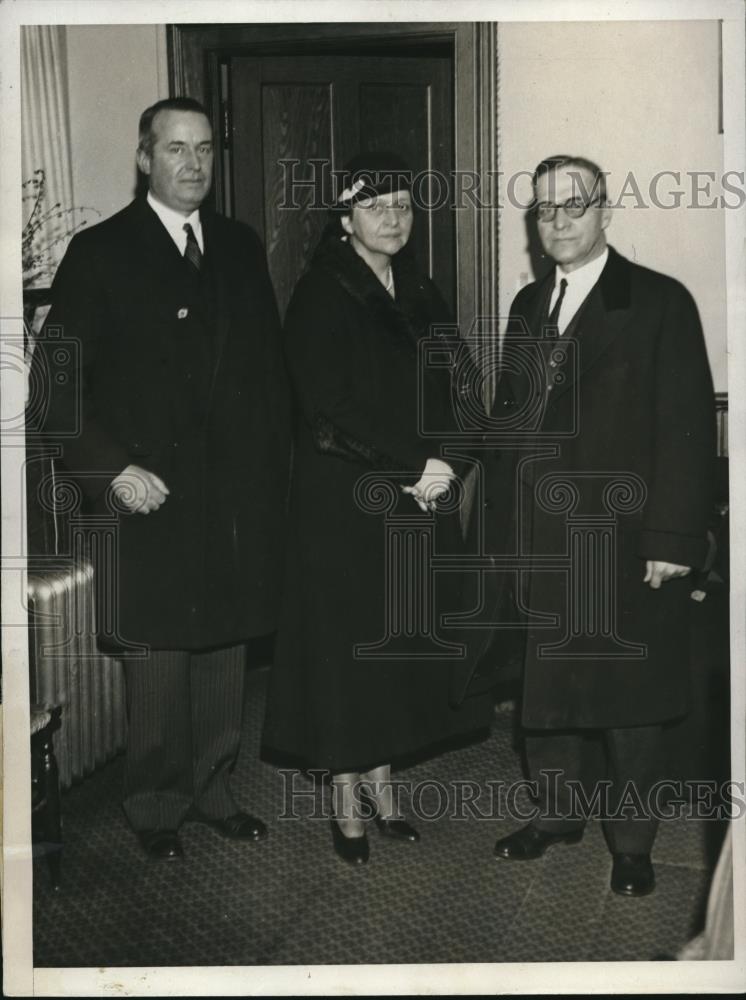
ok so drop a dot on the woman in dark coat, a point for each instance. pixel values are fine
(352, 333)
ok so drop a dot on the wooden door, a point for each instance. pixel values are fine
(298, 118)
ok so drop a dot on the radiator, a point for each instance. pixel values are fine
(68, 670)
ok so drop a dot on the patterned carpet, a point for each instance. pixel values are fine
(290, 900)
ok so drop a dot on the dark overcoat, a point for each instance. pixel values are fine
(610, 467)
(183, 376)
(352, 354)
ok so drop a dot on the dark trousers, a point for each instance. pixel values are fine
(184, 730)
(617, 756)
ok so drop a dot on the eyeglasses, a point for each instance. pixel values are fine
(380, 209)
(574, 208)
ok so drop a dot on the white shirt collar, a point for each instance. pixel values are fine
(585, 276)
(579, 284)
(175, 222)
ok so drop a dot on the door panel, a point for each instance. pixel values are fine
(386, 110)
(296, 124)
(326, 108)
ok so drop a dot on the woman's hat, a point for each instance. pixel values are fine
(370, 174)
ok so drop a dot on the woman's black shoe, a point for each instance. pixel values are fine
(397, 829)
(353, 850)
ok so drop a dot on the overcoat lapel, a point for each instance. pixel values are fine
(166, 268)
(155, 248)
(401, 318)
(221, 264)
(602, 317)
(525, 327)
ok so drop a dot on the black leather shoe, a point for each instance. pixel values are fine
(239, 826)
(353, 850)
(161, 845)
(530, 843)
(632, 875)
(397, 829)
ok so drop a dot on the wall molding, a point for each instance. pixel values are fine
(161, 61)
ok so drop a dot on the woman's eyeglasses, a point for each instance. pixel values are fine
(379, 208)
(574, 208)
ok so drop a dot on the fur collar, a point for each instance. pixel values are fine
(407, 317)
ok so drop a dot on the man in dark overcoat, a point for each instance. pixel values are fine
(184, 436)
(600, 491)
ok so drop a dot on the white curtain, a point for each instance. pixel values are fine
(46, 147)
(715, 943)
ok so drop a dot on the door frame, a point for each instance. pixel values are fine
(192, 61)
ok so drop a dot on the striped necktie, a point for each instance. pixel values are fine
(193, 254)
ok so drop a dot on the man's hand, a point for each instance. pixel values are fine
(433, 483)
(138, 490)
(657, 573)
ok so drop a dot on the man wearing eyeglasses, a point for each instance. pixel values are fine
(606, 463)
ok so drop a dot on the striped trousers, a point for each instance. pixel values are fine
(184, 730)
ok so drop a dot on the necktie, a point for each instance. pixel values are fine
(192, 254)
(553, 318)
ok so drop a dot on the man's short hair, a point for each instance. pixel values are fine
(561, 161)
(145, 129)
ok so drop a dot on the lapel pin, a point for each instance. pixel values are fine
(182, 313)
